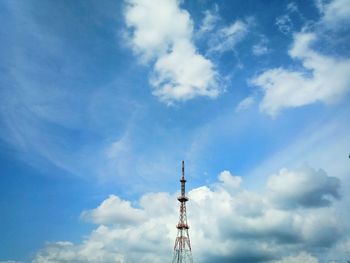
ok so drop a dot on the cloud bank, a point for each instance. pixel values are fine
(228, 223)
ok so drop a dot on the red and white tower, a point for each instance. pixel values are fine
(182, 247)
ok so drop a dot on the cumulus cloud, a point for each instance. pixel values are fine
(229, 180)
(113, 210)
(183, 74)
(240, 225)
(154, 30)
(335, 13)
(323, 78)
(91, 251)
(304, 188)
(180, 72)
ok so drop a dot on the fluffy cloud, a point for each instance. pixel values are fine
(229, 180)
(304, 188)
(226, 226)
(113, 210)
(91, 251)
(154, 30)
(324, 78)
(184, 74)
(335, 13)
(180, 72)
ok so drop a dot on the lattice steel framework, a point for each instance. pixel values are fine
(182, 247)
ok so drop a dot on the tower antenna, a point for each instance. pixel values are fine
(182, 247)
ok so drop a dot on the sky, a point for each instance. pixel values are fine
(100, 101)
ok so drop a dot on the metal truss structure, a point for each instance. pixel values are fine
(182, 247)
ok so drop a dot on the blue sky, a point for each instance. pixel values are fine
(101, 100)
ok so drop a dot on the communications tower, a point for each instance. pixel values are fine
(182, 247)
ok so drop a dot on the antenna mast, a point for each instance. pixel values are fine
(182, 247)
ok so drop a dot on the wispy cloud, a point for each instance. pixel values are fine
(261, 48)
(284, 24)
(210, 21)
(245, 104)
(48, 107)
(226, 38)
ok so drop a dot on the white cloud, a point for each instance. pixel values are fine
(154, 30)
(261, 47)
(221, 37)
(292, 7)
(183, 74)
(92, 251)
(239, 225)
(316, 144)
(305, 188)
(245, 104)
(302, 257)
(209, 21)
(180, 72)
(335, 13)
(227, 37)
(284, 24)
(320, 5)
(230, 181)
(324, 78)
(113, 210)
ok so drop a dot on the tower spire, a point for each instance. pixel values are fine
(182, 247)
